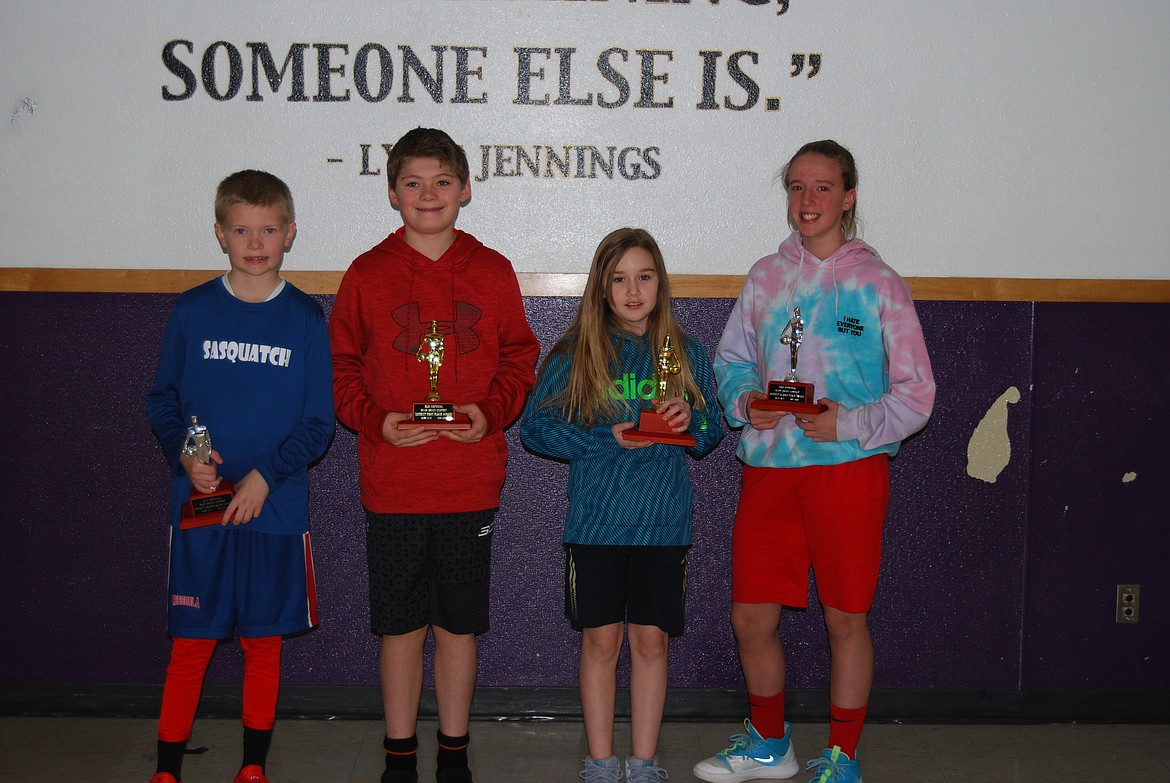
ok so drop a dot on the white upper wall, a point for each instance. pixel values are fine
(995, 139)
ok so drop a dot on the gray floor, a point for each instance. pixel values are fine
(121, 750)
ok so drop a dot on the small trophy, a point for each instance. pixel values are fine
(433, 413)
(652, 426)
(203, 508)
(791, 394)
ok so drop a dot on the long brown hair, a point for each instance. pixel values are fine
(587, 396)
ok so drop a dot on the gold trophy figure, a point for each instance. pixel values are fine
(651, 425)
(203, 508)
(430, 350)
(433, 413)
(668, 365)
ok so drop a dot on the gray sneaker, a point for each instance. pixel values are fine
(601, 770)
(644, 770)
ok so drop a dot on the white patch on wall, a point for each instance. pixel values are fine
(990, 449)
(1128, 477)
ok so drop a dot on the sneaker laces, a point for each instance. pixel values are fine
(651, 773)
(830, 771)
(598, 774)
(740, 746)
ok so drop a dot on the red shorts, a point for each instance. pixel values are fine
(826, 516)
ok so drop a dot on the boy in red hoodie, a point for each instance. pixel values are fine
(430, 494)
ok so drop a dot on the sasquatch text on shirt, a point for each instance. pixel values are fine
(232, 351)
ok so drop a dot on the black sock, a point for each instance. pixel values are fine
(401, 754)
(256, 743)
(170, 757)
(452, 751)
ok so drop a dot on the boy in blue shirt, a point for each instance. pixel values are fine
(248, 355)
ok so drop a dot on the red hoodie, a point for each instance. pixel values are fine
(386, 302)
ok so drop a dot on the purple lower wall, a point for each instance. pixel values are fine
(1102, 411)
(1006, 585)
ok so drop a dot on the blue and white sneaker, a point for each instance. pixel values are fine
(751, 757)
(834, 766)
(639, 770)
(601, 770)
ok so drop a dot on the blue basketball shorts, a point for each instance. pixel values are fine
(226, 580)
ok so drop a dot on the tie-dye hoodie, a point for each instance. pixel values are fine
(862, 348)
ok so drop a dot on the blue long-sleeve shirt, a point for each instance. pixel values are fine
(620, 496)
(259, 377)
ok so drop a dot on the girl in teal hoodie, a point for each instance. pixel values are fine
(630, 501)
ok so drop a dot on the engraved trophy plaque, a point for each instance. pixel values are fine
(203, 508)
(791, 394)
(433, 413)
(652, 426)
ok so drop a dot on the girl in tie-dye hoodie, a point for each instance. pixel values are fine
(815, 484)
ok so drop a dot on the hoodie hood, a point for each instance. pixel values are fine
(851, 254)
(431, 289)
(456, 256)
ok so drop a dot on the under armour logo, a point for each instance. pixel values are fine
(413, 328)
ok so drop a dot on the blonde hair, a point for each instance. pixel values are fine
(587, 397)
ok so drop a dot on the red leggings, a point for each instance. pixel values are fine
(184, 684)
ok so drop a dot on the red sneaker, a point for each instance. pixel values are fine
(163, 777)
(253, 773)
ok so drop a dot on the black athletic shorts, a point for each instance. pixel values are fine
(429, 569)
(644, 585)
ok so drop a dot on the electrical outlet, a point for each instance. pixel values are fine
(1128, 602)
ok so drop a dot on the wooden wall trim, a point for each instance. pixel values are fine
(973, 289)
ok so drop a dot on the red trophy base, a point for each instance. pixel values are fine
(790, 396)
(436, 416)
(206, 508)
(653, 427)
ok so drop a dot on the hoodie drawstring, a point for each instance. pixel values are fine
(796, 281)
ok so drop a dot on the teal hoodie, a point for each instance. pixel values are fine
(620, 496)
